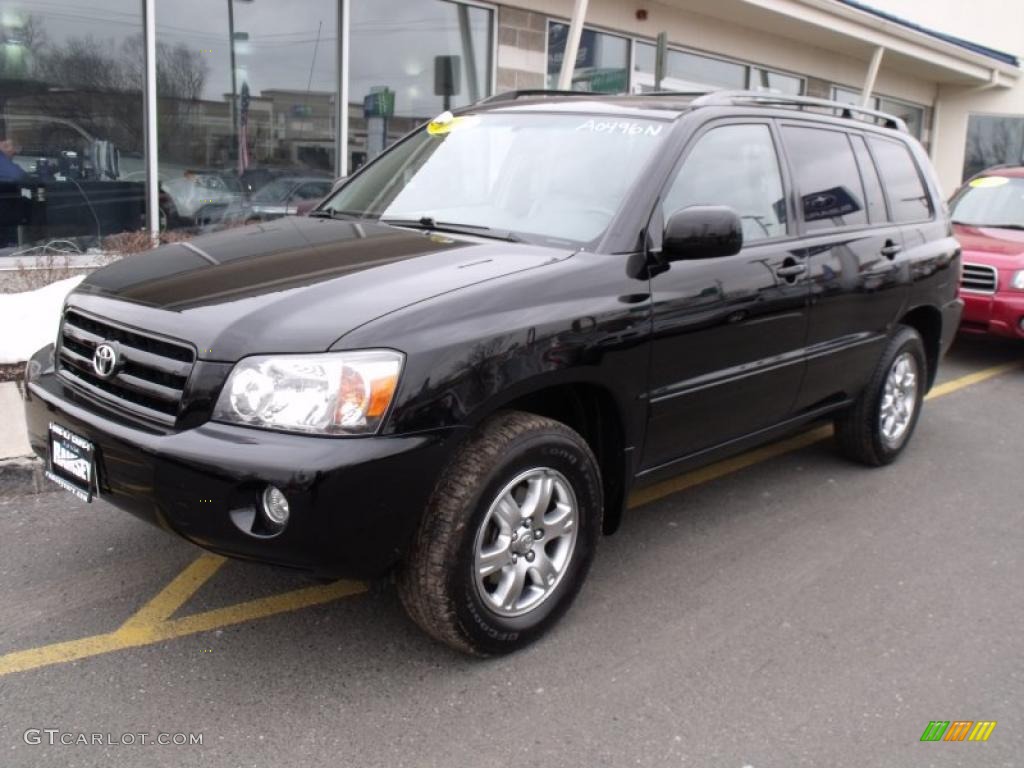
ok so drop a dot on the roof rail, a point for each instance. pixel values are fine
(526, 93)
(850, 111)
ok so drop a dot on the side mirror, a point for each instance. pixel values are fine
(702, 232)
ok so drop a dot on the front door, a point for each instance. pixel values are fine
(727, 357)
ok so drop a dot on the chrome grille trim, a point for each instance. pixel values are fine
(153, 371)
(979, 278)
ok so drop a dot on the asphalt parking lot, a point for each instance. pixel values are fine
(783, 609)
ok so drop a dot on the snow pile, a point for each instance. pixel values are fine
(30, 320)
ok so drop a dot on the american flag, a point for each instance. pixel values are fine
(243, 130)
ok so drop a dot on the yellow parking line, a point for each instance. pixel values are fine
(177, 593)
(153, 623)
(940, 390)
(726, 467)
(749, 459)
(134, 634)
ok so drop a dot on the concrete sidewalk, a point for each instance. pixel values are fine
(20, 471)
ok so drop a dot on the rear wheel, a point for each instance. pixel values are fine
(508, 536)
(880, 424)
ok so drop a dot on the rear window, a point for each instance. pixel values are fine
(908, 198)
(831, 192)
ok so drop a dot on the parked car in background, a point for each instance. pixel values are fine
(200, 197)
(287, 196)
(988, 220)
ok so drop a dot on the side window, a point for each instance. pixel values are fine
(872, 186)
(907, 194)
(826, 174)
(737, 166)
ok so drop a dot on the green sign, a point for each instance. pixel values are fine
(379, 103)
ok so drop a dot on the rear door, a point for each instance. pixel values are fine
(727, 355)
(854, 254)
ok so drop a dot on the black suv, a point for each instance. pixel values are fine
(457, 367)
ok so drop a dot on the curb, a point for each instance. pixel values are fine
(21, 476)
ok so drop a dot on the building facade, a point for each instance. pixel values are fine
(222, 97)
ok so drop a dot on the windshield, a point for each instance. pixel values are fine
(991, 201)
(549, 177)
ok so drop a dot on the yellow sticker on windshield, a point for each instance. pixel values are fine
(985, 182)
(446, 122)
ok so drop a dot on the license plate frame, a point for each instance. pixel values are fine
(71, 462)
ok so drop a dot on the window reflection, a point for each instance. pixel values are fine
(602, 60)
(70, 123)
(246, 93)
(410, 60)
(686, 71)
(993, 140)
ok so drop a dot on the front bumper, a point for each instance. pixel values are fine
(355, 502)
(999, 313)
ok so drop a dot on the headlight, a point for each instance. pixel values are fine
(338, 393)
(1017, 281)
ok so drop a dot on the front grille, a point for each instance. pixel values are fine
(151, 376)
(979, 278)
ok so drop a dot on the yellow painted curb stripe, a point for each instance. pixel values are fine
(152, 623)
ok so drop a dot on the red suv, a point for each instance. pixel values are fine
(988, 219)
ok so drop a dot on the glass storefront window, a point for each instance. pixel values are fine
(602, 60)
(246, 95)
(911, 114)
(775, 82)
(993, 140)
(71, 125)
(686, 71)
(409, 61)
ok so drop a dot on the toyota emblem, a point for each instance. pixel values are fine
(104, 360)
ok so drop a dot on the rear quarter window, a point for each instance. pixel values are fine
(908, 198)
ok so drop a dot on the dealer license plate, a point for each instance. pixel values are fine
(72, 463)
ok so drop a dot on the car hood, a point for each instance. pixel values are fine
(1000, 248)
(293, 285)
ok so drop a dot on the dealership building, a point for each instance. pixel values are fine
(129, 114)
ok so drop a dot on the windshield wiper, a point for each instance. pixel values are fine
(429, 223)
(331, 213)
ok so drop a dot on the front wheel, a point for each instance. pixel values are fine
(508, 536)
(879, 425)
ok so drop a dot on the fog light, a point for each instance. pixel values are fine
(275, 507)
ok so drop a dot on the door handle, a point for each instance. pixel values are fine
(791, 270)
(890, 249)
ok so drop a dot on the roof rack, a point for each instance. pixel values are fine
(850, 111)
(712, 98)
(527, 93)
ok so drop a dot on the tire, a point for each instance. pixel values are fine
(861, 433)
(469, 523)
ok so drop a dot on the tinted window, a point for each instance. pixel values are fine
(872, 186)
(827, 178)
(735, 165)
(908, 199)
